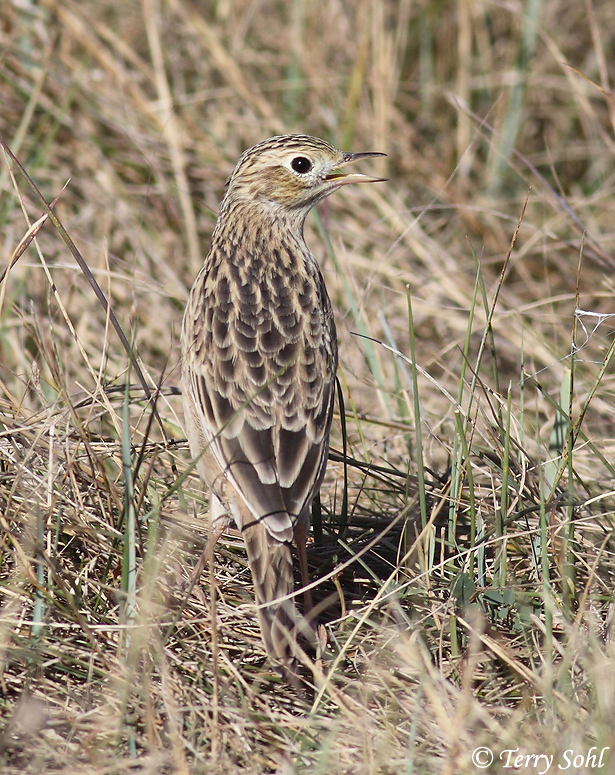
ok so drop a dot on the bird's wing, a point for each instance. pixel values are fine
(259, 363)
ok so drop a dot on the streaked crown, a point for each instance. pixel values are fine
(293, 171)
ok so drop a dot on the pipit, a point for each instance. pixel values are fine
(259, 358)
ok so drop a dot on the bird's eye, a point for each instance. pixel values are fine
(301, 164)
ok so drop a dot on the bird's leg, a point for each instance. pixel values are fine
(214, 536)
(217, 528)
(218, 521)
(206, 555)
(301, 541)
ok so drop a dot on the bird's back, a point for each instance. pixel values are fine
(261, 362)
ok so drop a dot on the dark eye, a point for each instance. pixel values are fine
(301, 164)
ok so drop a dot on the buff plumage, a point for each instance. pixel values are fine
(259, 358)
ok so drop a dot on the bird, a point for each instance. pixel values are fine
(259, 357)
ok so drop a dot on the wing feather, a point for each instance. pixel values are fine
(261, 379)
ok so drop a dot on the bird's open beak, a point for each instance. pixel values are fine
(342, 178)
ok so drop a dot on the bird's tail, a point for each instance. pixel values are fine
(280, 622)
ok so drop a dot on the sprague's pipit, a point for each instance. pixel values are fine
(259, 357)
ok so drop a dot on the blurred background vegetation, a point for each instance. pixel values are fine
(475, 302)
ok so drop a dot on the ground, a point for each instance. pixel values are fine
(464, 535)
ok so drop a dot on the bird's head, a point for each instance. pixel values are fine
(293, 172)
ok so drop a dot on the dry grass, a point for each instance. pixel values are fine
(492, 628)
